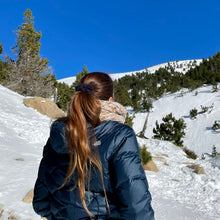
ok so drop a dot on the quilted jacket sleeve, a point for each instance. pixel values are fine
(41, 203)
(55, 145)
(130, 183)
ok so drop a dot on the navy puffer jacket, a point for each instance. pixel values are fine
(124, 178)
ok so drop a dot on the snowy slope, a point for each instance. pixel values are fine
(199, 135)
(178, 193)
(180, 66)
(23, 132)
(69, 80)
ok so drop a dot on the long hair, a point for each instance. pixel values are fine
(84, 111)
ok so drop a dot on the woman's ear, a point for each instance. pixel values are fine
(111, 99)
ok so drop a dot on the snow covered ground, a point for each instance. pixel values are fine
(178, 193)
(199, 135)
(23, 132)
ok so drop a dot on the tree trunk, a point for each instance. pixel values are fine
(141, 135)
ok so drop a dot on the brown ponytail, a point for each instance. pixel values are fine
(84, 110)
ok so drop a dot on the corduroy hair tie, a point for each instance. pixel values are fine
(84, 87)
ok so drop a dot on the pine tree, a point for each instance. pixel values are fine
(147, 104)
(29, 74)
(145, 155)
(4, 68)
(64, 94)
(79, 76)
(28, 39)
(214, 87)
(128, 120)
(1, 48)
(193, 113)
(216, 126)
(121, 95)
(214, 152)
(170, 129)
(136, 97)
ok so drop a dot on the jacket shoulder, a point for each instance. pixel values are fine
(112, 136)
(116, 128)
(123, 131)
(57, 137)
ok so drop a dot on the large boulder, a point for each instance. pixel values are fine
(196, 168)
(45, 107)
(151, 166)
(1, 211)
(29, 197)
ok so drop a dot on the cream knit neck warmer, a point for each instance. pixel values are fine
(112, 111)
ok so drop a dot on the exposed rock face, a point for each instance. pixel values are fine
(45, 107)
(197, 169)
(151, 166)
(19, 159)
(29, 197)
(1, 211)
(13, 217)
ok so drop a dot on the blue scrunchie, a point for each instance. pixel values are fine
(83, 87)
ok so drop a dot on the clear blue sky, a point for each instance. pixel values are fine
(116, 35)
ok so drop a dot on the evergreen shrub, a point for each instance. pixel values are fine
(171, 129)
(145, 155)
(128, 120)
(193, 113)
(204, 109)
(214, 152)
(216, 126)
(190, 153)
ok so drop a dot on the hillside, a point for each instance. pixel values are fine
(23, 132)
(180, 104)
(179, 66)
(199, 135)
(178, 193)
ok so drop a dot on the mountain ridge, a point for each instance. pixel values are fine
(180, 66)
